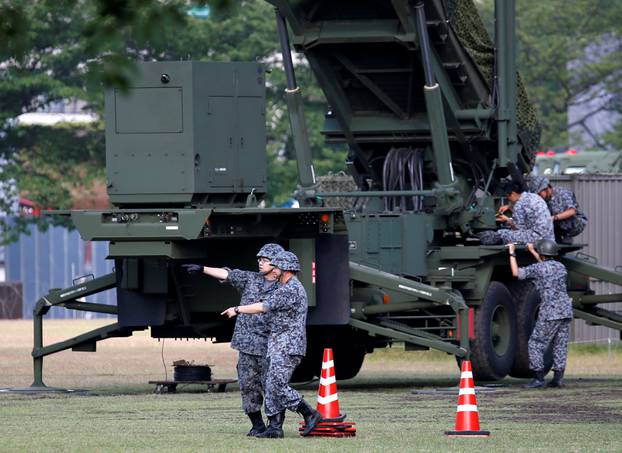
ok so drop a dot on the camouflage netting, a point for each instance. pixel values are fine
(468, 26)
(339, 182)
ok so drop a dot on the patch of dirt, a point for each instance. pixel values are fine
(570, 404)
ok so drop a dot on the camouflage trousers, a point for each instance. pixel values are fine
(565, 235)
(544, 334)
(251, 376)
(507, 236)
(279, 395)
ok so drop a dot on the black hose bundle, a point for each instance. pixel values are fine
(403, 170)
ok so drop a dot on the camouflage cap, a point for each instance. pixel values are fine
(537, 184)
(270, 251)
(286, 261)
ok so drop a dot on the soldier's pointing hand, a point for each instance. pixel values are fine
(230, 312)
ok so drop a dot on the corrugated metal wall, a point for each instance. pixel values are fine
(52, 259)
(600, 198)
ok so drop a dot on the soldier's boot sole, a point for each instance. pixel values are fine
(271, 434)
(311, 422)
(534, 385)
(254, 432)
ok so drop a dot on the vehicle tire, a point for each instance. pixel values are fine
(348, 356)
(348, 361)
(494, 346)
(526, 302)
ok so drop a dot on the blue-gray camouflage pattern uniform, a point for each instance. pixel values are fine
(531, 219)
(553, 324)
(250, 337)
(286, 309)
(562, 200)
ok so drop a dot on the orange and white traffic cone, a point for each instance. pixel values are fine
(333, 422)
(327, 396)
(467, 419)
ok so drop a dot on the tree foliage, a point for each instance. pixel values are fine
(569, 57)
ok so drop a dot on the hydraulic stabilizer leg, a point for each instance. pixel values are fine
(433, 102)
(68, 298)
(39, 311)
(293, 97)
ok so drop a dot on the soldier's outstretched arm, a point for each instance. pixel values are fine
(217, 272)
(251, 309)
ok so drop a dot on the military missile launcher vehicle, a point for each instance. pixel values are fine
(433, 114)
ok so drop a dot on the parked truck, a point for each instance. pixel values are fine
(434, 116)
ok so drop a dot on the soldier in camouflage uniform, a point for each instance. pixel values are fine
(530, 221)
(286, 309)
(250, 335)
(568, 219)
(555, 315)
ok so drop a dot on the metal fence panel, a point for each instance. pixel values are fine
(599, 197)
(53, 259)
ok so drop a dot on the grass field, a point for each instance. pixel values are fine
(120, 412)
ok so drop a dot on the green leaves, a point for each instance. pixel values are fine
(568, 57)
(565, 60)
(13, 29)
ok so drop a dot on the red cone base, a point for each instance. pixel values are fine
(334, 434)
(331, 429)
(333, 422)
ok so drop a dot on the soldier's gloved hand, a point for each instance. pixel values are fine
(193, 268)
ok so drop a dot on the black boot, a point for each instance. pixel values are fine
(537, 381)
(311, 416)
(557, 380)
(258, 425)
(275, 427)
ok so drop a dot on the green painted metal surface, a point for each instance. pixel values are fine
(582, 266)
(200, 126)
(410, 337)
(390, 242)
(132, 225)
